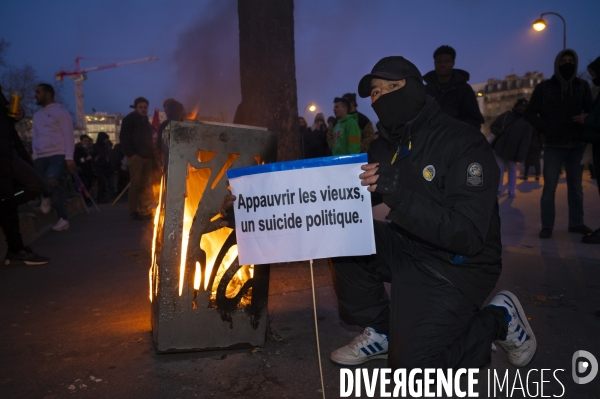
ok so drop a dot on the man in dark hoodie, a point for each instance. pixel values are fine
(554, 103)
(136, 139)
(450, 88)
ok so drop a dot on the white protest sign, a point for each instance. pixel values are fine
(300, 210)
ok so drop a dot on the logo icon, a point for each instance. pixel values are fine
(475, 175)
(429, 172)
(583, 366)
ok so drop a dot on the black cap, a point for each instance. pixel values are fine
(388, 68)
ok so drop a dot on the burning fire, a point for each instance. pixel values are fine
(196, 181)
(194, 112)
(211, 243)
(154, 266)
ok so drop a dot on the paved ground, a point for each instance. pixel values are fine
(80, 326)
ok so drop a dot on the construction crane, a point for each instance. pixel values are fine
(79, 75)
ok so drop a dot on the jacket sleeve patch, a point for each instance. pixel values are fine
(475, 175)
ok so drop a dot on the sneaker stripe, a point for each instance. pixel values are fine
(365, 351)
(373, 350)
(378, 346)
(521, 336)
(518, 327)
(516, 310)
(508, 304)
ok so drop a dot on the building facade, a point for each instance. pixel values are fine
(498, 96)
(103, 122)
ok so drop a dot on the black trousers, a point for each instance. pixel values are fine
(430, 323)
(28, 184)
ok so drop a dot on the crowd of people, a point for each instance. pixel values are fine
(97, 169)
(554, 120)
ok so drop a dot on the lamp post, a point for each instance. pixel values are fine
(539, 25)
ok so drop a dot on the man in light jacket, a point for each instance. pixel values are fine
(53, 143)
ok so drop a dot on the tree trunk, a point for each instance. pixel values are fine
(268, 72)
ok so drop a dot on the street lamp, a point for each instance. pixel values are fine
(539, 25)
(311, 107)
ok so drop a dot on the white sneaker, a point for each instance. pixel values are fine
(61, 225)
(520, 342)
(46, 206)
(367, 346)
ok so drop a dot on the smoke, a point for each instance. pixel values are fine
(207, 62)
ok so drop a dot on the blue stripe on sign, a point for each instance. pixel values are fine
(373, 350)
(521, 336)
(365, 351)
(378, 346)
(302, 164)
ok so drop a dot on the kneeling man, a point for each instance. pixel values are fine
(442, 249)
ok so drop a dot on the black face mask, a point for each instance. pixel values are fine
(566, 70)
(596, 81)
(397, 108)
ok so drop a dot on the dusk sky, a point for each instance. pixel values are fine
(337, 42)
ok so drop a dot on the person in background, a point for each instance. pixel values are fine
(84, 162)
(175, 112)
(315, 139)
(591, 134)
(553, 104)
(53, 147)
(331, 122)
(533, 156)
(19, 183)
(367, 134)
(344, 138)
(302, 129)
(450, 89)
(513, 135)
(103, 168)
(136, 140)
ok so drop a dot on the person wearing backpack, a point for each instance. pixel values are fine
(513, 135)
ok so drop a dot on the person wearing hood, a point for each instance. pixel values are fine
(591, 134)
(513, 135)
(315, 139)
(442, 248)
(553, 104)
(450, 89)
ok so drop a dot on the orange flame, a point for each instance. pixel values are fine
(196, 181)
(154, 266)
(194, 112)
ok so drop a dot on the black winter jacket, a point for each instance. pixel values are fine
(555, 102)
(447, 202)
(512, 145)
(456, 97)
(9, 142)
(136, 136)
